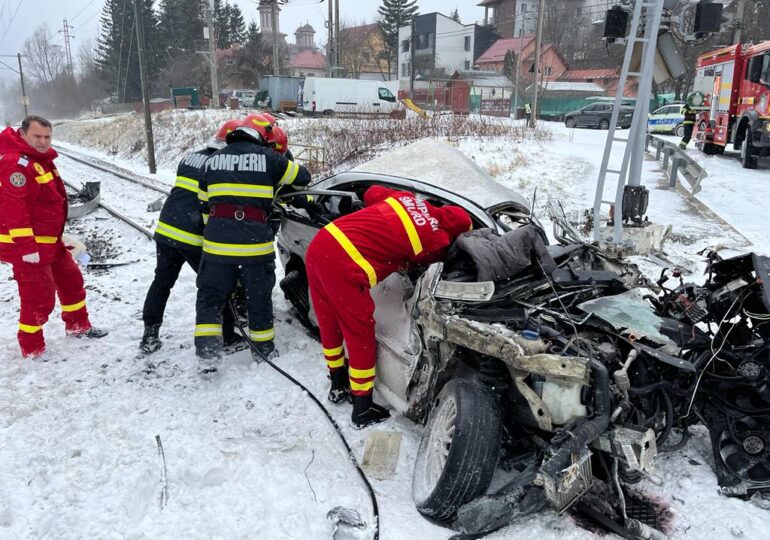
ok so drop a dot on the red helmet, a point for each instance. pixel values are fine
(259, 120)
(279, 142)
(270, 118)
(226, 128)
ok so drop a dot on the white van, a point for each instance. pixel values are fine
(325, 96)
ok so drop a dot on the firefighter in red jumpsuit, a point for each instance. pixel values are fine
(33, 209)
(350, 256)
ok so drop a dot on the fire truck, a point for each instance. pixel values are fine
(732, 85)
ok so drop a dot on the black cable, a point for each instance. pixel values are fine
(372, 496)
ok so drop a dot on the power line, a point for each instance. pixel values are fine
(82, 10)
(10, 22)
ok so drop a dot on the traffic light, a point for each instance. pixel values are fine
(708, 18)
(615, 23)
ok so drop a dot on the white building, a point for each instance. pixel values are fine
(442, 46)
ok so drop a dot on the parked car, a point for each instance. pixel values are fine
(570, 380)
(667, 119)
(598, 115)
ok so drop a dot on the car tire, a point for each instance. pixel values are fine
(679, 130)
(748, 159)
(459, 449)
(295, 290)
(604, 124)
(328, 113)
(570, 123)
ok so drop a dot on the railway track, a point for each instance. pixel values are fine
(124, 195)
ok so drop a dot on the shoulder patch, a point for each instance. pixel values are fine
(38, 168)
(23, 161)
(18, 179)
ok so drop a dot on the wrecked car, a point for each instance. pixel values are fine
(566, 376)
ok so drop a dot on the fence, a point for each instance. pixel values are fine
(676, 162)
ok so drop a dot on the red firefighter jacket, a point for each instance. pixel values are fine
(33, 201)
(393, 230)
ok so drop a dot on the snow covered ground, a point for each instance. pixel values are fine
(246, 454)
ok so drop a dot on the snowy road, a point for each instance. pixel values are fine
(247, 455)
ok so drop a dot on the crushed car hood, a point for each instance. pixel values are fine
(441, 164)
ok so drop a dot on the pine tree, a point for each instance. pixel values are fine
(254, 59)
(236, 25)
(393, 15)
(222, 14)
(181, 22)
(455, 16)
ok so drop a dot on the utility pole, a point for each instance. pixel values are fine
(738, 22)
(145, 85)
(411, 60)
(538, 42)
(24, 98)
(213, 57)
(274, 15)
(67, 49)
(337, 52)
(330, 41)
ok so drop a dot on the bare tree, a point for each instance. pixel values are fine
(45, 60)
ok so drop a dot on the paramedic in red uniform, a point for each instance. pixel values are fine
(33, 209)
(350, 256)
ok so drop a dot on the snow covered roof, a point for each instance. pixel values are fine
(441, 164)
(583, 74)
(570, 86)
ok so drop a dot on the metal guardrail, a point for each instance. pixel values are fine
(679, 161)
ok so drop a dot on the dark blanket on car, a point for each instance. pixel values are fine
(484, 255)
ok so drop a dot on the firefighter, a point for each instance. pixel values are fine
(178, 239)
(688, 123)
(237, 193)
(33, 210)
(350, 256)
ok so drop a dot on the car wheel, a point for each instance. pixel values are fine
(604, 124)
(570, 122)
(459, 449)
(328, 112)
(679, 130)
(294, 287)
(748, 159)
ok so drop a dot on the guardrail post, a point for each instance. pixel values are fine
(675, 162)
(647, 143)
(666, 154)
(658, 150)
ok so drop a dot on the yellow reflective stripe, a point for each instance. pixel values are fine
(290, 175)
(17, 233)
(237, 250)
(178, 234)
(44, 178)
(29, 329)
(411, 230)
(203, 196)
(361, 373)
(336, 351)
(354, 254)
(205, 330)
(263, 123)
(361, 387)
(261, 335)
(240, 190)
(190, 184)
(205, 218)
(333, 364)
(73, 307)
(7, 239)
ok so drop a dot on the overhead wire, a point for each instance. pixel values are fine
(10, 23)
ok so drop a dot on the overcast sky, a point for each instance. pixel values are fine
(20, 18)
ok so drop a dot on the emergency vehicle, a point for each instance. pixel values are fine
(734, 84)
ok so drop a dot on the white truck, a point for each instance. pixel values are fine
(319, 95)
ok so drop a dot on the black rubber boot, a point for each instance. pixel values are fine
(151, 339)
(340, 389)
(266, 350)
(366, 412)
(92, 333)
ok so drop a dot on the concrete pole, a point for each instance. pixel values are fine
(274, 16)
(538, 43)
(24, 98)
(412, 63)
(338, 56)
(330, 42)
(145, 85)
(738, 22)
(213, 57)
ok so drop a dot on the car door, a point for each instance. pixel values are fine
(589, 115)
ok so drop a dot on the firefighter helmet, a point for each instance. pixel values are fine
(270, 118)
(279, 141)
(258, 120)
(219, 139)
(248, 131)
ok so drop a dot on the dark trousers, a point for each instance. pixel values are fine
(169, 262)
(529, 118)
(216, 283)
(688, 128)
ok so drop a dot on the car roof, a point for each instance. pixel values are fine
(438, 163)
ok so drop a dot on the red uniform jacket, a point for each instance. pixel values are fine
(396, 229)
(33, 201)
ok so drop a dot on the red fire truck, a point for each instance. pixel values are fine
(734, 83)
